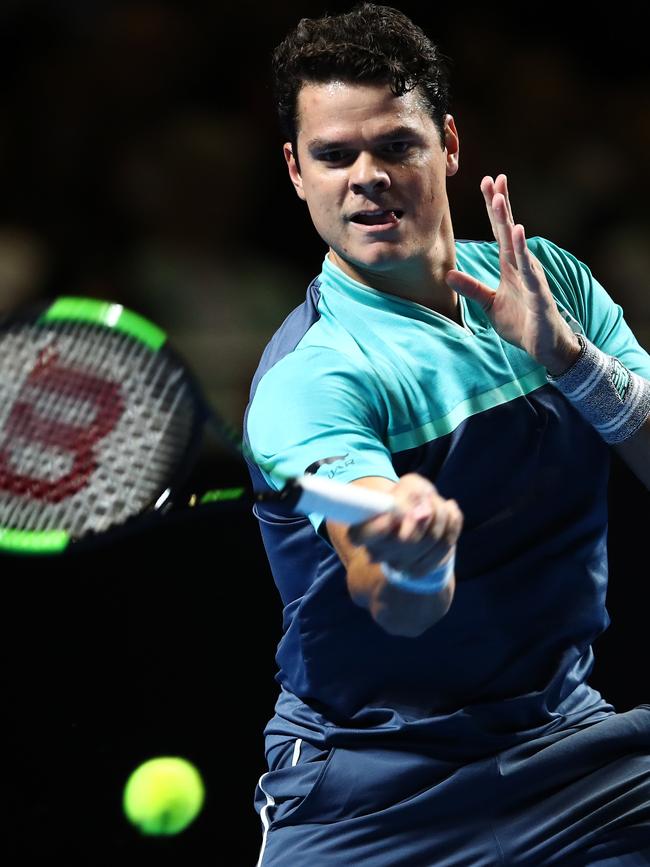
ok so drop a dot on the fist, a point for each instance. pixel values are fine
(418, 535)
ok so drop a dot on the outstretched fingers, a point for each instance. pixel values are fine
(497, 202)
(487, 188)
(527, 265)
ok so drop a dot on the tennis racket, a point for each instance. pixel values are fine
(101, 422)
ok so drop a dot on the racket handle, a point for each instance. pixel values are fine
(350, 504)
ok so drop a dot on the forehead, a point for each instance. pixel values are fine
(337, 110)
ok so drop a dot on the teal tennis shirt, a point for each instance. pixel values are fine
(358, 382)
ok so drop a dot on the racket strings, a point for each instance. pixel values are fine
(158, 427)
(127, 413)
(37, 459)
(80, 354)
(70, 399)
(170, 433)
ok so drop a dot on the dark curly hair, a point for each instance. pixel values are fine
(368, 44)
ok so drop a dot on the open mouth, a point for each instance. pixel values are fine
(377, 218)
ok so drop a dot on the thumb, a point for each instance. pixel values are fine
(472, 288)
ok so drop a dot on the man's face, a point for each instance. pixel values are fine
(373, 174)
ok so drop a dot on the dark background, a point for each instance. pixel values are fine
(140, 161)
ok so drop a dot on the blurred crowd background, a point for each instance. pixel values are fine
(140, 161)
(140, 158)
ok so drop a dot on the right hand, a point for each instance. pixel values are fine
(419, 536)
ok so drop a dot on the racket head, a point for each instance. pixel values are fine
(100, 421)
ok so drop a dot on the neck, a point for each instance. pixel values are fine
(421, 280)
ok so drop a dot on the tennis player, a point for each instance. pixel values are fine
(434, 705)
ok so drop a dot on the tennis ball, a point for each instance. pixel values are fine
(163, 795)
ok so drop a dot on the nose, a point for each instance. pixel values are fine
(367, 174)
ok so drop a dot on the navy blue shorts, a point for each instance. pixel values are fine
(579, 797)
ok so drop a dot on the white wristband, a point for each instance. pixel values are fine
(432, 582)
(612, 398)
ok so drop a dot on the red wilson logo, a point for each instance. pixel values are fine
(32, 426)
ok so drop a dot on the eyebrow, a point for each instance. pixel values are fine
(322, 144)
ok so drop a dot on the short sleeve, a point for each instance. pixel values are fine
(315, 411)
(587, 306)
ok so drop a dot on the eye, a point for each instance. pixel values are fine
(334, 156)
(397, 147)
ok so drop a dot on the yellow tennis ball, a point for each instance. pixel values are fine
(163, 795)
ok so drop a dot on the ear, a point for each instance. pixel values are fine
(452, 145)
(294, 173)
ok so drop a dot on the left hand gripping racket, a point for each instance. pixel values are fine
(100, 420)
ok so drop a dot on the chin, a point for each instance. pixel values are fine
(378, 259)
(372, 253)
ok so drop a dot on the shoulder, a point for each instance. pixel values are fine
(571, 282)
(561, 262)
(574, 287)
(306, 346)
(565, 271)
(551, 255)
(488, 251)
(290, 333)
(312, 374)
(483, 256)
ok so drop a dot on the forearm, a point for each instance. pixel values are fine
(397, 611)
(416, 542)
(613, 399)
(636, 453)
